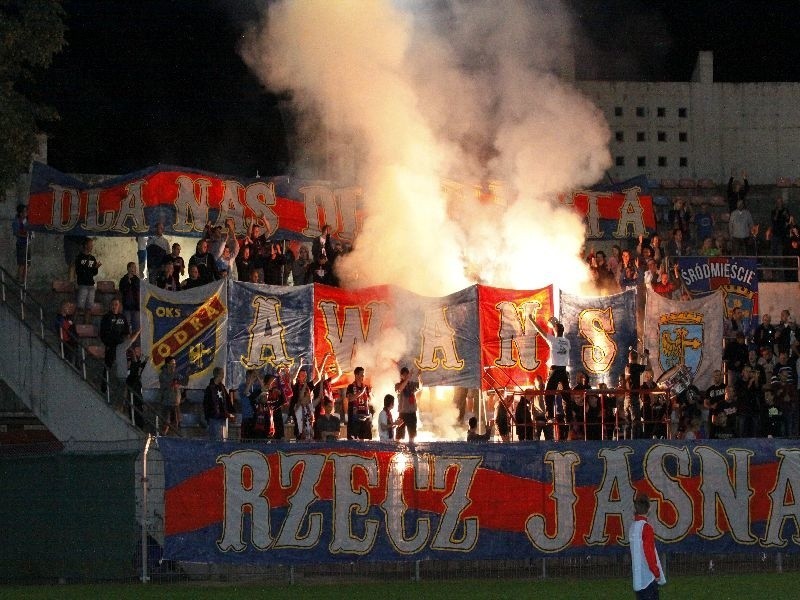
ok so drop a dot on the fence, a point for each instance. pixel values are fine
(75, 514)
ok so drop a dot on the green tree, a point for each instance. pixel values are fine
(31, 32)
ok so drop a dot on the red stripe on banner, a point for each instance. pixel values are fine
(609, 206)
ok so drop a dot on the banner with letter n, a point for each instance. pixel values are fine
(736, 277)
(269, 327)
(512, 351)
(685, 332)
(190, 325)
(346, 501)
(600, 329)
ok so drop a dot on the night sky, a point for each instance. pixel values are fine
(160, 81)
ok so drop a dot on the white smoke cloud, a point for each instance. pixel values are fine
(460, 90)
(430, 91)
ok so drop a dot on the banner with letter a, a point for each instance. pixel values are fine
(443, 336)
(340, 502)
(685, 332)
(190, 325)
(269, 327)
(512, 351)
(600, 330)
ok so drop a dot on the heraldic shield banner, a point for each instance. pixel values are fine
(685, 332)
(190, 325)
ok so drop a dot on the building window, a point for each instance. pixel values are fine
(619, 161)
(620, 135)
(617, 111)
(682, 113)
(662, 161)
(641, 161)
(661, 111)
(684, 162)
(640, 111)
(683, 136)
(640, 136)
(662, 136)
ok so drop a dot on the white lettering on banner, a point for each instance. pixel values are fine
(132, 207)
(596, 326)
(563, 465)
(72, 199)
(514, 333)
(345, 337)
(266, 342)
(447, 536)
(593, 215)
(260, 198)
(95, 220)
(631, 214)
(247, 476)
(670, 488)
(614, 497)
(238, 496)
(438, 347)
(367, 498)
(719, 496)
(394, 509)
(337, 208)
(726, 270)
(297, 517)
(785, 505)
(191, 210)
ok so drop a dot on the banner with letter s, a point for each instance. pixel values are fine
(600, 330)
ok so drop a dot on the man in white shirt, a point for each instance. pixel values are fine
(559, 360)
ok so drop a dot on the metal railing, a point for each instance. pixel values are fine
(77, 356)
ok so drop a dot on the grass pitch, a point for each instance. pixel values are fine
(775, 586)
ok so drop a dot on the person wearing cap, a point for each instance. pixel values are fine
(648, 574)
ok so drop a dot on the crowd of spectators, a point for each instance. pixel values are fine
(757, 400)
(650, 262)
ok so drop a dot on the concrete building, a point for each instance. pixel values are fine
(701, 129)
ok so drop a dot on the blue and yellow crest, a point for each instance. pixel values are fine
(680, 340)
(189, 332)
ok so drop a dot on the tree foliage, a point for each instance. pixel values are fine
(31, 32)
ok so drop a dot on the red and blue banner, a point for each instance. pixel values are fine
(600, 330)
(736, 277)
(616, 211)
(511, 349)
(312, 502)
(184, 200)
